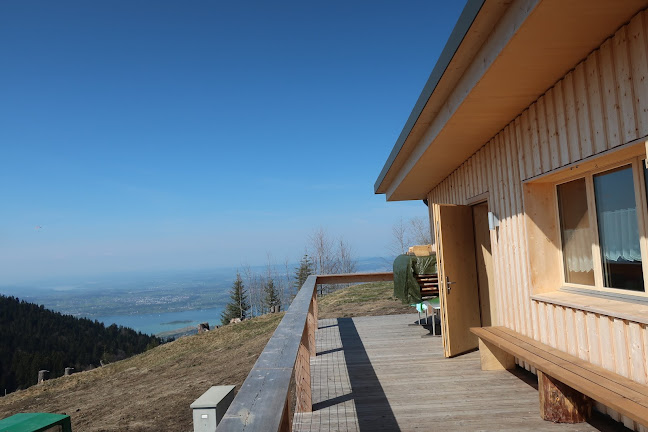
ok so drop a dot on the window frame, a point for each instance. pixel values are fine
(636, 163)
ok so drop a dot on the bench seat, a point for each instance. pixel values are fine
(498, 345)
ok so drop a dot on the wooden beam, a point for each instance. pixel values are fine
(494, 358)
(262, 402)
(259, 405)
(303, 375)
(625, 396)
(560, 403)
(286, 418)
(311, 324)
(355, 277)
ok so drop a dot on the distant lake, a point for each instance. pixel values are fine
(159, 322)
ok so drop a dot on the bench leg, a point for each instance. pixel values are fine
(493, 358)
(560, 403)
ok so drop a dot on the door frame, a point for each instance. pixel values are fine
(460, 306)
(494, 310)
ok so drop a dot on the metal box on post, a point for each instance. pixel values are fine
(209, 408)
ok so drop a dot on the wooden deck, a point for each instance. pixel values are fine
(378, 373)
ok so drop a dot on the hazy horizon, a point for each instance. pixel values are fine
(155, 135)
(146, 301)
(65, 281)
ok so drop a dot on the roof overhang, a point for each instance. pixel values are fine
(501, 56)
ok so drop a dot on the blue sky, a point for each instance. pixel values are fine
(155, 134)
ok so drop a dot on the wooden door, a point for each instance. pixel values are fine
(458, 292)
(484, 264)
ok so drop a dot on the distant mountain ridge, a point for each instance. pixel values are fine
(33, 338)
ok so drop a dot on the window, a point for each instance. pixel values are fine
(602, 218)
(616, 213)
(576, 233)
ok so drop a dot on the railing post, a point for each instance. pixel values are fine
(286, 418)
(311, 324)
(303, 374)
(258, 405)
(307, 349)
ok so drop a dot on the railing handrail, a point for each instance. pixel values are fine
(355, 277)
(262, 403)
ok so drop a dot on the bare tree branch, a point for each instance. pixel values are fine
(346, 262)
(400, 240)
(420, 231)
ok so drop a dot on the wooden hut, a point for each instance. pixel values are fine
(528, 144)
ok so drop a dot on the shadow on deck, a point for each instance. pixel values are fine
(376, 373)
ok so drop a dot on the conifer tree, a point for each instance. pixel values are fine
(305, 269)
(271, 296)
(238, 307)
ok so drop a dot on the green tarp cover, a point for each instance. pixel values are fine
(406, 288)
(425, 265)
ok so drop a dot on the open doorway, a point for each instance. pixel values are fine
(484, 263)
(464, 265)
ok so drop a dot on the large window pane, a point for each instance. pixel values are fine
(576, 233)
(616, 211)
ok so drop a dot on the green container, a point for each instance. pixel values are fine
(35, 422)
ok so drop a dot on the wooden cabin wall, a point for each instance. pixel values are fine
(602, 103)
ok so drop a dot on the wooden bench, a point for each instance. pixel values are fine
(566, 384)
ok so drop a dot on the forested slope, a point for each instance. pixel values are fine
(151, 391)
(34, 338)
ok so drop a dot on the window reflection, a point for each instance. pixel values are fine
(576, 234)
(616, 211)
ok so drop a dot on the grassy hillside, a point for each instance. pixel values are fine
(152, 391)
(370, 299)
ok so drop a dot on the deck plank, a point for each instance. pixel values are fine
(363, 379)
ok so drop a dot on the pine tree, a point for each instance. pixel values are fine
(271, 297)
(304, 270)
(238, 307)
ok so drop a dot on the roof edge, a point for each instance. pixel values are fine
(467, 17)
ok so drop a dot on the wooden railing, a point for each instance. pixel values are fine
(263, 403)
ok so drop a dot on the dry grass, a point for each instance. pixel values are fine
(371, 299)
(151, 391)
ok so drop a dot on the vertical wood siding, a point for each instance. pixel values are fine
(601, 104)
